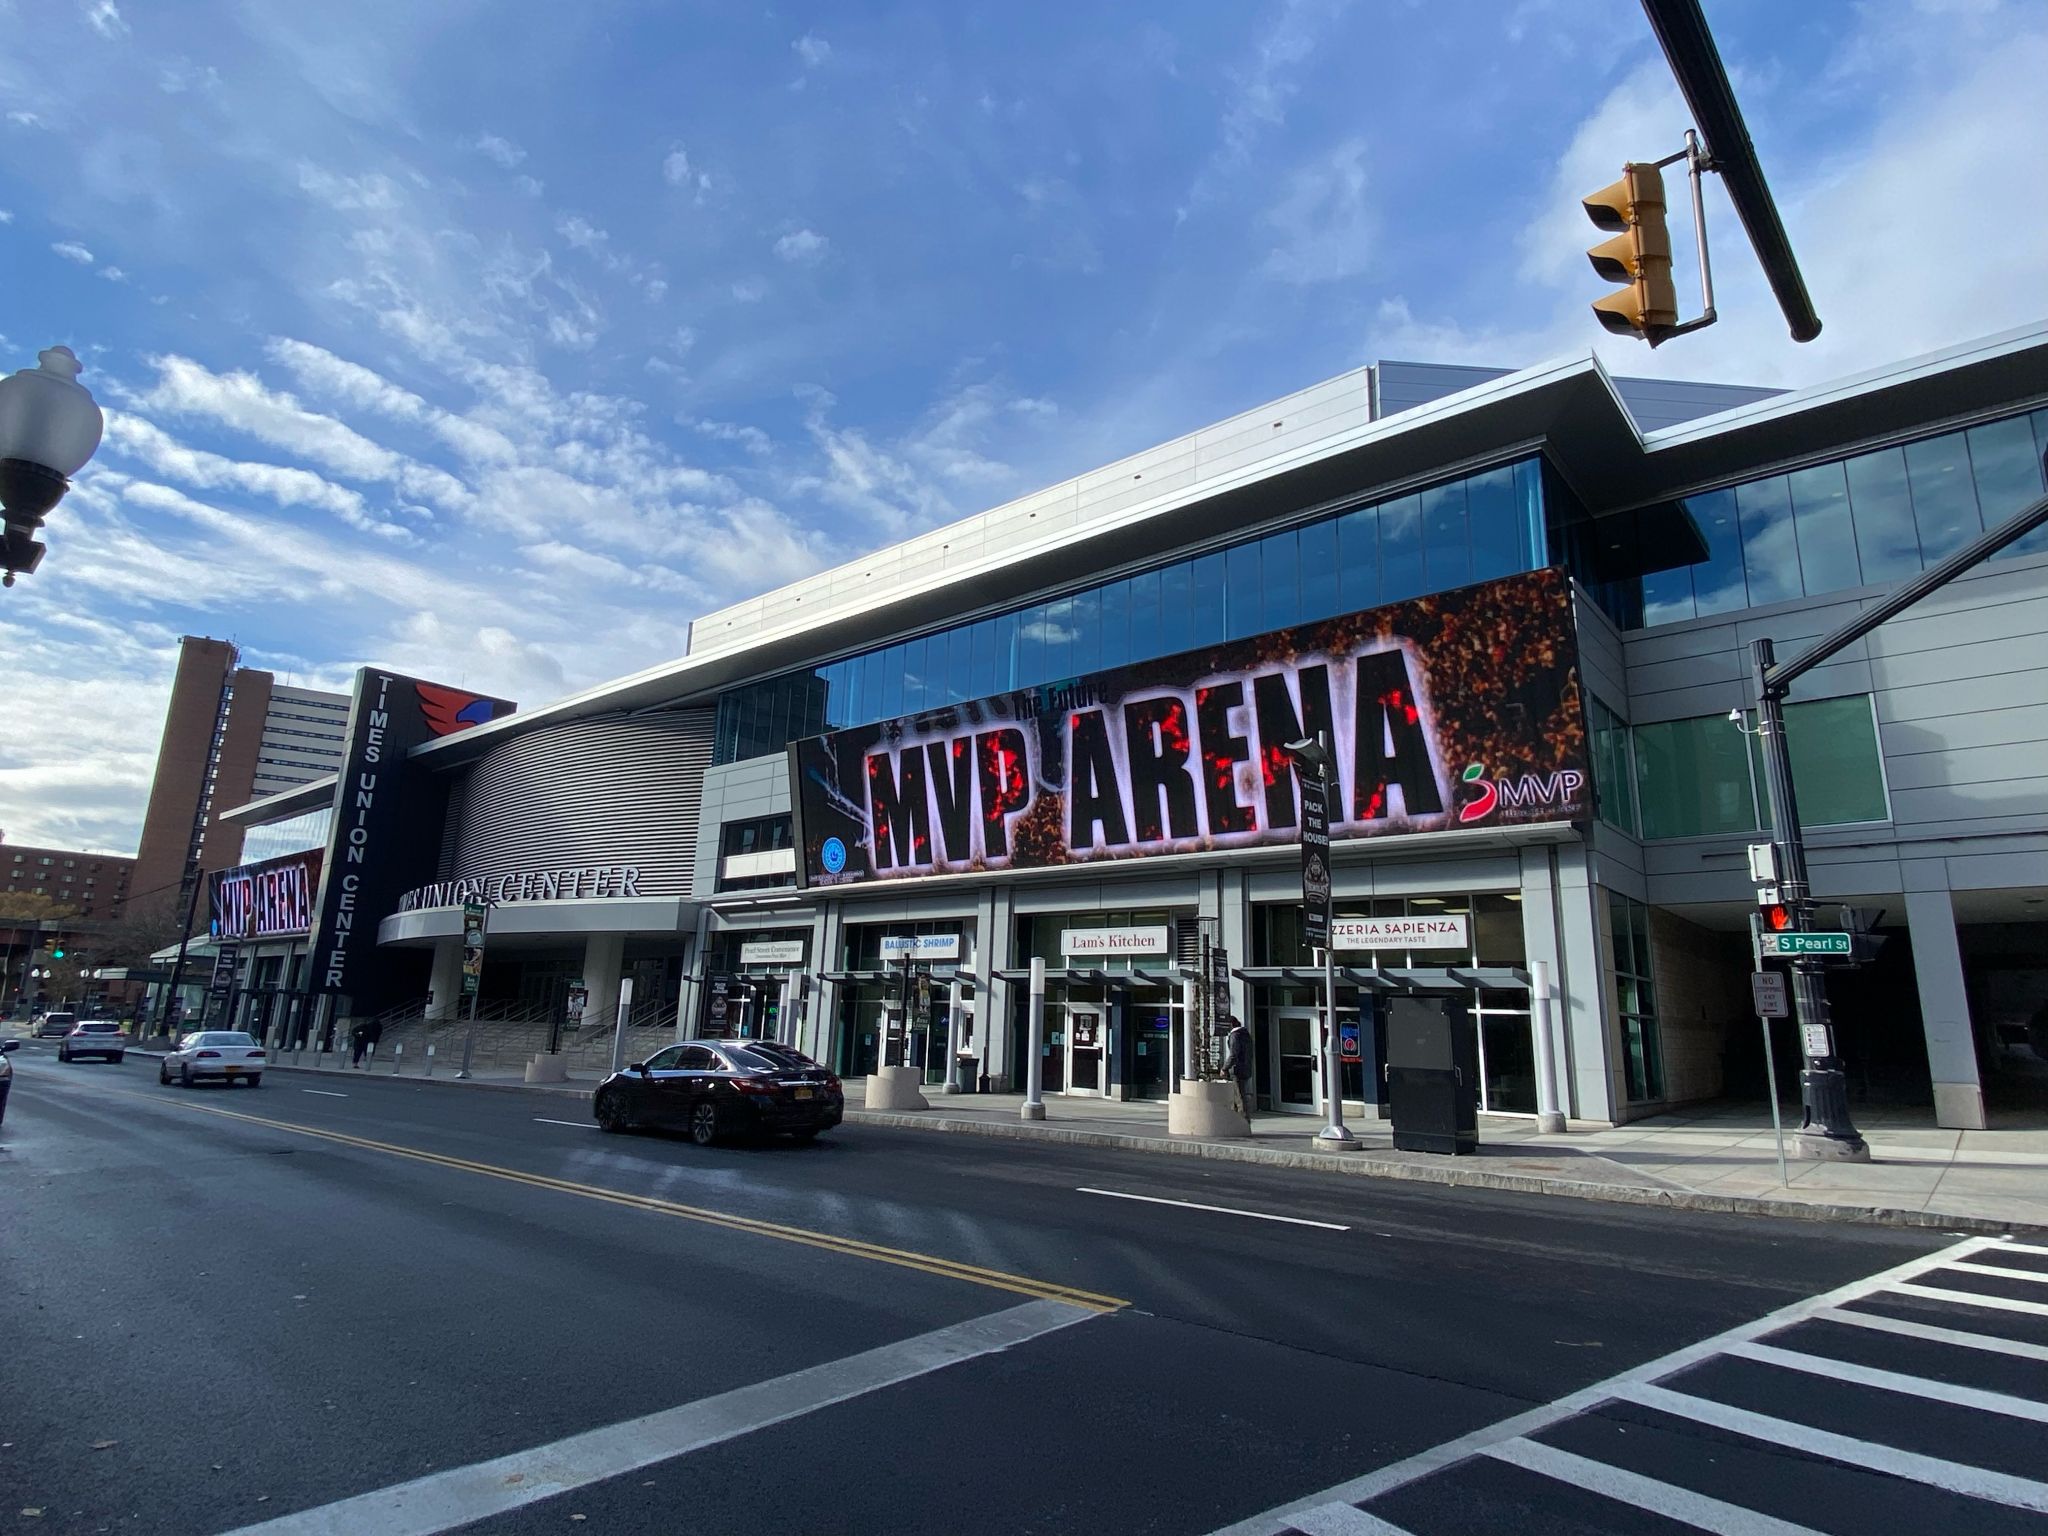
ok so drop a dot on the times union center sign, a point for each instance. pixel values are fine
(571, 884)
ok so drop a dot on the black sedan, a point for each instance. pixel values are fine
(714, 1088)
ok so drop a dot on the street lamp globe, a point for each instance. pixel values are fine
(50, 426)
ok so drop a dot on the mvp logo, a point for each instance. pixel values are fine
(1532, 791)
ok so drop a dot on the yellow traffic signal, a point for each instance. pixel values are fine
(1640, 255)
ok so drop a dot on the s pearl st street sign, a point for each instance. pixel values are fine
(1809, 944)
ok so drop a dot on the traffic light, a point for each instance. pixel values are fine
(57, 950)
(1778, 916)
(1639, 255)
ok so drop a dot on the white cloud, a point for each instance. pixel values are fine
(22, 119)
(135, 437)
(581, 233)
(750, 290)
(529, 186)
(675, 167)
(803, 247)
(812, 49)
(371, 193)
(503, 151)
(105, 18)
(6, 216)
(71, 250)
(1323, 223)
(753, 439)
(112, 274)
(336, 378)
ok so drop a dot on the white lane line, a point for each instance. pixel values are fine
(1344, 1520)
(2019, 1248)
(1893, 1381)
(325, 1093)
(1973, 1299)
(1364, 1489)
(574, 1125)
(1625, 1487)
(2039, 1277)
(461, 1495)
(1221, 1210)
(1954, 1476)
(1955, 1336)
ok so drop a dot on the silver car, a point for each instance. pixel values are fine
(94, 1037)
(228, 1055)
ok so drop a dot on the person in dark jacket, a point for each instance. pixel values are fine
(1237, 1063)
(359, 1041)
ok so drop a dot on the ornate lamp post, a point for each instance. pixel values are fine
(49, 426)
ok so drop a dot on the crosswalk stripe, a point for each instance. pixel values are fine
(1956, 1336)
(2038, 1276)
(1894, 1381)
(1972, 1299)
(1343, 1520)
(1955, 1477)
(1667, 1499)
(2017, 1248)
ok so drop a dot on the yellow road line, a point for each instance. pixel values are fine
(951, 1269)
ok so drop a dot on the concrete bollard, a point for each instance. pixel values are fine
(397, 1058)
(430, 1061)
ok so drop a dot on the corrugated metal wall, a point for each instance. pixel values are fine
(616, 790)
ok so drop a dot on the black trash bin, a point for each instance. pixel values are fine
(1432, 1075)
(967, 1070)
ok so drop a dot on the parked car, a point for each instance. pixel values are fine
(54, 1025)
(94, 1037)
(232, 1055)
(6, 1073)
(714, 1088)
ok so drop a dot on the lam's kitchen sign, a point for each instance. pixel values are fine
(1114, 941)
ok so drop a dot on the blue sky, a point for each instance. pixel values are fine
(494, 342)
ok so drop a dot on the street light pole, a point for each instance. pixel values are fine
(49, 426)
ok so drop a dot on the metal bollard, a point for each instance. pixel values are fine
(430, 1061)
(397, 1058)
(468, 1045)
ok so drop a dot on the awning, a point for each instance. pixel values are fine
(1092, 976)
(894, 976)
(1421, 978)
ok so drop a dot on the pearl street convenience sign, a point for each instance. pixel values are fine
(1808, 944)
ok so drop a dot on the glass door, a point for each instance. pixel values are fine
(1087, 1037)
(1296, 1076)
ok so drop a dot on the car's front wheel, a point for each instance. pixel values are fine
(185, 1076)
(256, 1081)
(614, 1114)
(163, 1073)
(62, 1054)
(704, 1124)
(118, 1057)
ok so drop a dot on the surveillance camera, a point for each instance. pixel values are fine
(1735, 717)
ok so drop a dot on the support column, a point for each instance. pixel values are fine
(1945, 1011)
(444, 986)
(602, 957)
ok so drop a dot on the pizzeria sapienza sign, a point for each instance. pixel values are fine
(1113, 941)
(1447, 931)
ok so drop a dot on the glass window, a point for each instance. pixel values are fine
(1827, 538)
(1007, 643)
(1667, 594)
(1837, 774)
(1115, 646)
(1944, 496)
(1084, 632)
(916, 679)
(1717, 583)
(1358, 553)
(2007, 471)
(1635, 997)
(1446, 540)
(2036, 543)
(1693, 778)
(1614, 785)
(981, 666)
(1243, 597)
(1499, 530)
(1316, 547)
(1031, 663)
(962, 683)
(1770, 550)
(1280, 580)
(891, 694)
(1059, 640)
(1208, 606)
(1177, 619)
(1401, 573)
(1887, 544)
(1147, 638)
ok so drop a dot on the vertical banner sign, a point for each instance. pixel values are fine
(224, 961)
(473, 915)
(1455, 712)
(717, 986)
(1315, 862)
(384, 836)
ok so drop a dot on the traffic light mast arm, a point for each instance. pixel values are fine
(1696, 65)
(1696, 161)
(1778, 678)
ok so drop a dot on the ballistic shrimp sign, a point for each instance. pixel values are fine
(1458, 711)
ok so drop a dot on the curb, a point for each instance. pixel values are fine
(466, 1082)
(1362, 1166)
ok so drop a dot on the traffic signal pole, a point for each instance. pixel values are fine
(1826, 1131)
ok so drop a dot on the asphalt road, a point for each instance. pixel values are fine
(222, 1307)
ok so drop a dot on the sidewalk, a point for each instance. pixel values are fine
(1722, 1158)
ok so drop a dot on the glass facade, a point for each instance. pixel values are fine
(1490, 524)
(1867, 520)
(1635, 999)
(1700, 776)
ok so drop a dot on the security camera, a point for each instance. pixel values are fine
(1735, 717)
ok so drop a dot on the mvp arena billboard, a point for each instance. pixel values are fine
(1460, 710)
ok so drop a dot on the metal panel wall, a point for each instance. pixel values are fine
(615, 790)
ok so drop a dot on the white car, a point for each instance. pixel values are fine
(227, 1054)
(94, 1037)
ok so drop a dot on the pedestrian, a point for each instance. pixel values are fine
(359, 1041)
(373, 1032)
(1237, 1064)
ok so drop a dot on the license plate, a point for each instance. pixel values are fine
(803, 1093)
(231, 1071)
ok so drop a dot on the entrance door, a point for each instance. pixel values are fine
(1297, 1071)
(1054, 1052)
(1087, 1038)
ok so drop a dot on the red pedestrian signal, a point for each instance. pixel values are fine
(1777, 917)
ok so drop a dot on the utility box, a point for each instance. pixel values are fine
(1432, 1075)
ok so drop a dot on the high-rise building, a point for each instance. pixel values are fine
(93, 885)
(232, 734)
